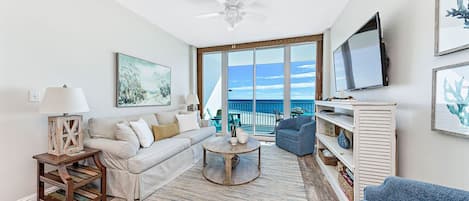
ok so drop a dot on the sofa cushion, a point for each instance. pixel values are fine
(288, 133)
(105, 127)
(165, 131)
(167, 117)
(187, 122)
(125, 133)
(196, 136)
(150, 119)
(157, 153)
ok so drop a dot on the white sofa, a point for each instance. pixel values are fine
(137, 174)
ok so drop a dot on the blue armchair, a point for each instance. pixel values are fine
(395, 188)
(296, 135)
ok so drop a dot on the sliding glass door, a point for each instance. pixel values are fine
(302, 79)
(256, 88)
(241, 90)
(269, 94)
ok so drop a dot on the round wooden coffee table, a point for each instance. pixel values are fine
(221, 171)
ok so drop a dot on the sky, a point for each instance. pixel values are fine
(270, 73)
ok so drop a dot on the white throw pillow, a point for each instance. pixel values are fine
(144, 134)
(187, 122)
(125, 133)
(192, 112)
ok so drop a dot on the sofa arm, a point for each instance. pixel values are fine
(121, 149)
(287, 124)
(308, 128)
(204, 123)
(396, 188)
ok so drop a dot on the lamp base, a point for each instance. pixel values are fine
(192, 108)
(65, 135)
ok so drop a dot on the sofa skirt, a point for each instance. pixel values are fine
(129, 186)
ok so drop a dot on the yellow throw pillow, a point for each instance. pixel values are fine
(165, 131)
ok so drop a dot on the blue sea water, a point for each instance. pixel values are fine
(269, 106)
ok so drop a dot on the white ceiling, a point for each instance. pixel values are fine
(284, 18)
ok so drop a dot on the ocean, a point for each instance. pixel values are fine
(268, 106)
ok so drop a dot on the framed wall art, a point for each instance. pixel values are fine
(450, 99)
(142, 83)
(451, 26)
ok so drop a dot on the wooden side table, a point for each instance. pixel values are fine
(74, 180)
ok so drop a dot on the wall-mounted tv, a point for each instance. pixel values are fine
(361, 62)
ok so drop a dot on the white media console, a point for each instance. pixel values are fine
(373, 155)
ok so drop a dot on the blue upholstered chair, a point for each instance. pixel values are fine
(395, 188)
(296, 135)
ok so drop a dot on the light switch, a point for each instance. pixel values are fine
(34, 96)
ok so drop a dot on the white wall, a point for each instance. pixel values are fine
(409, 36)
(54, 42)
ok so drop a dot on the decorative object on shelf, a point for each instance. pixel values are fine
(327, 157)
(65, 132)
(346, 186)
(242, 136)
(451, 26)
(192, 101)
(142, 83)
(330, 129)
(348, 98)
(343, 141)
(450, 99)
(349, 136)
(233, 139)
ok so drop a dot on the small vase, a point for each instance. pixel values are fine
(343, 141)
(234, 141)
(243, 138)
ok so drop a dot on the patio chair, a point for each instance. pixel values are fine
(278, 117)
(232, 118)
(216, 121)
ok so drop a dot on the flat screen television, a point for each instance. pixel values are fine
(361, 62)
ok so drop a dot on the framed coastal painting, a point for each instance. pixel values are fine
(450, 100)
(142, 83)
(451, 26)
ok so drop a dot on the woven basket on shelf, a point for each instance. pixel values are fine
(327, 160)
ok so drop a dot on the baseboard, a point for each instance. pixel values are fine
(33, 197)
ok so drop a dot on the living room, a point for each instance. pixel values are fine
(80, 44)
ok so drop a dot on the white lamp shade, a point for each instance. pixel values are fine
(58, 100)
(192, 99)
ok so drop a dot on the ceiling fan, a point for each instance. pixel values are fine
(235, 11)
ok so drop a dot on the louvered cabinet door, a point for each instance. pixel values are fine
(375, 151)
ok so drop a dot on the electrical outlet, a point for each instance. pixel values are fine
(34, 96)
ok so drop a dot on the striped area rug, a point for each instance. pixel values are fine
(280, 180)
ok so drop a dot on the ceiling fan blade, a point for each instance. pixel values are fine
(210, 15)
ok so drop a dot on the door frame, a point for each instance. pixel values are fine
(287, 42)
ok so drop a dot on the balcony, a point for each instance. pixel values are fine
(265, 118)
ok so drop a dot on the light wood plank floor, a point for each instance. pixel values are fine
(316, 185)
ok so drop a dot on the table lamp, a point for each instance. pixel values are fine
(65, 132)
(192, 101)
